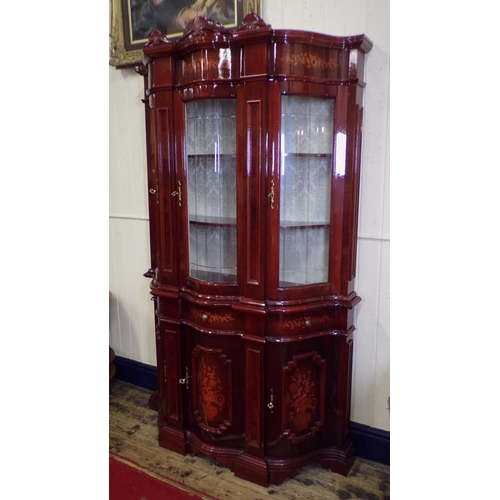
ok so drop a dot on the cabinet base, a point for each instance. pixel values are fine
(171, 438)
(261, 471)
(154, 401)
(252, 469)
(225, 455)
(339, 461)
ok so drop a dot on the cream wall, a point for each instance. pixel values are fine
(131, 311)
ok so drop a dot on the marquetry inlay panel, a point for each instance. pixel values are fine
(212, 389)
(306, 322)
(309, 61)
(303, 397)
(302, 60)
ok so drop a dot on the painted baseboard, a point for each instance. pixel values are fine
(372, 444)
(136, 373)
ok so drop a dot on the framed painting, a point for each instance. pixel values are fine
(132, 21)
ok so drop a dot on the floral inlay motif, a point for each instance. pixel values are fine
(303, 399)
(304, 382)
(197, 66)
(211, 391)
(306, 321)
(213, 317)
(309, 61)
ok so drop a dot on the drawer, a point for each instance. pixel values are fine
(304, 323)
(213, 317)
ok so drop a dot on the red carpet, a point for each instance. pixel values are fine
(131, 481)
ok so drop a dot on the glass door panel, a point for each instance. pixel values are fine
(211, 172)
(305, 189)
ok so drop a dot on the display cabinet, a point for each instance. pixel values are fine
(254, 140)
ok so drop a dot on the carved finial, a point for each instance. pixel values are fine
(156, 38)
(200, 25)
(251, 22)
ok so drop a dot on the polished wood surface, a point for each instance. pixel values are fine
(233, 357)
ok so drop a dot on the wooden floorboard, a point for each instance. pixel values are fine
(133, 434)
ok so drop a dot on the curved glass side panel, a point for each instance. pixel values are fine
(211, 172)
(305, 189)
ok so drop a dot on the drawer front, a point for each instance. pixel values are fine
(212, 317)
(305, 323)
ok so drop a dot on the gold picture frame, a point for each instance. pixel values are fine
(121, 57)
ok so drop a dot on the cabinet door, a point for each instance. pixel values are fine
(301, 385)
(211, 199)
(170, 371)
(214, 387)
(162, 182)
(305, 190)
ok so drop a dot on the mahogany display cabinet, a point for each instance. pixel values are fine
(254, 148)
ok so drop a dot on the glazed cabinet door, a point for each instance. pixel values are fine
(305, 190)
(208, 149)
(301, 197)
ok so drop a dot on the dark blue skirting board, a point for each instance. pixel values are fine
(136, 373)
(372, 444)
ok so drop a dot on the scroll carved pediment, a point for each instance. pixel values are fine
(157, 38)
(251, 22)
(201, 26)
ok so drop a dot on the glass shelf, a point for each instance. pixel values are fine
(213, 221)
(211, 156)
(211, 276)
(302, 225)
(307, 155)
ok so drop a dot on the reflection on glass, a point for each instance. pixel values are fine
(211, 172)
(305, 189)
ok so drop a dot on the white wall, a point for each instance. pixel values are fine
(131, 311)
